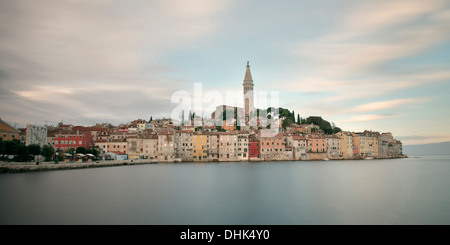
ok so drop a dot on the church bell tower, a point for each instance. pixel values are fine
(248, 93)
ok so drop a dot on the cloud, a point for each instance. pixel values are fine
(374, 16)
(370, 35)
(383, 105)
(356, 62)
(423, 139)
(74, 59)
(370, 117)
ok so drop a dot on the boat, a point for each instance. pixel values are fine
(369, 158)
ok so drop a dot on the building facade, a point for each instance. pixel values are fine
(70, 139)
(36, 135)
(7, 132)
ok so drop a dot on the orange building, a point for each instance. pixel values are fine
(228, 127)
(7, 132)
(317, 143)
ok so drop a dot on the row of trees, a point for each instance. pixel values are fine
(289, 119)
(23, 153)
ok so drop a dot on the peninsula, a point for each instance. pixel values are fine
(231, 134)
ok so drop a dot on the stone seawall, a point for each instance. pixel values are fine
(21, 167)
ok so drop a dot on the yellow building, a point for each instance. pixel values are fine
(375, 145)
(200, 149)
(346, 144)
(364, 144)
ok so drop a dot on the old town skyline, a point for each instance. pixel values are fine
(376, 65)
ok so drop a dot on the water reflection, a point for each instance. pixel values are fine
(398, 191)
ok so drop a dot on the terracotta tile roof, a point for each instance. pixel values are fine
(7, 128)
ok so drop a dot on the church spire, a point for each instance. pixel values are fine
(248, 75)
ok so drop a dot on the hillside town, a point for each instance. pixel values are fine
(160, 140)
(199, 139)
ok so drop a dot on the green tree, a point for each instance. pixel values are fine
(236, 124)
(47, 151)
(2, 147)
(324, 125)
(34, 149)
(182, 117)
(220, 129)
(60, 155)
(336, 130)
(151, 119)
(92, 151)
(298, 119)
(11, 147)
(81, 150)
(286, 123)
(22, 154)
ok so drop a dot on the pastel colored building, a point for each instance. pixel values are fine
(183, 145)
(135, 148)
(144, 126)
(346, 144)
(166, 146)
(115, 155)
(7, 132)
(213, 145)
(200, 149)
(272, 148)
(228, 146)
(299, 145)
(333, 147)
(242, 146)
(228, 127)
(150, 146)
(317, 146)
(364, 144)
(317, 143)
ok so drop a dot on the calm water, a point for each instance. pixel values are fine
(396, 191)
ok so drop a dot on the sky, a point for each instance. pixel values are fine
(379, 65)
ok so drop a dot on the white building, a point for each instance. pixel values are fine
(36, 135)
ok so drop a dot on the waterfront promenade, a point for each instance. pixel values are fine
(21, 167)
